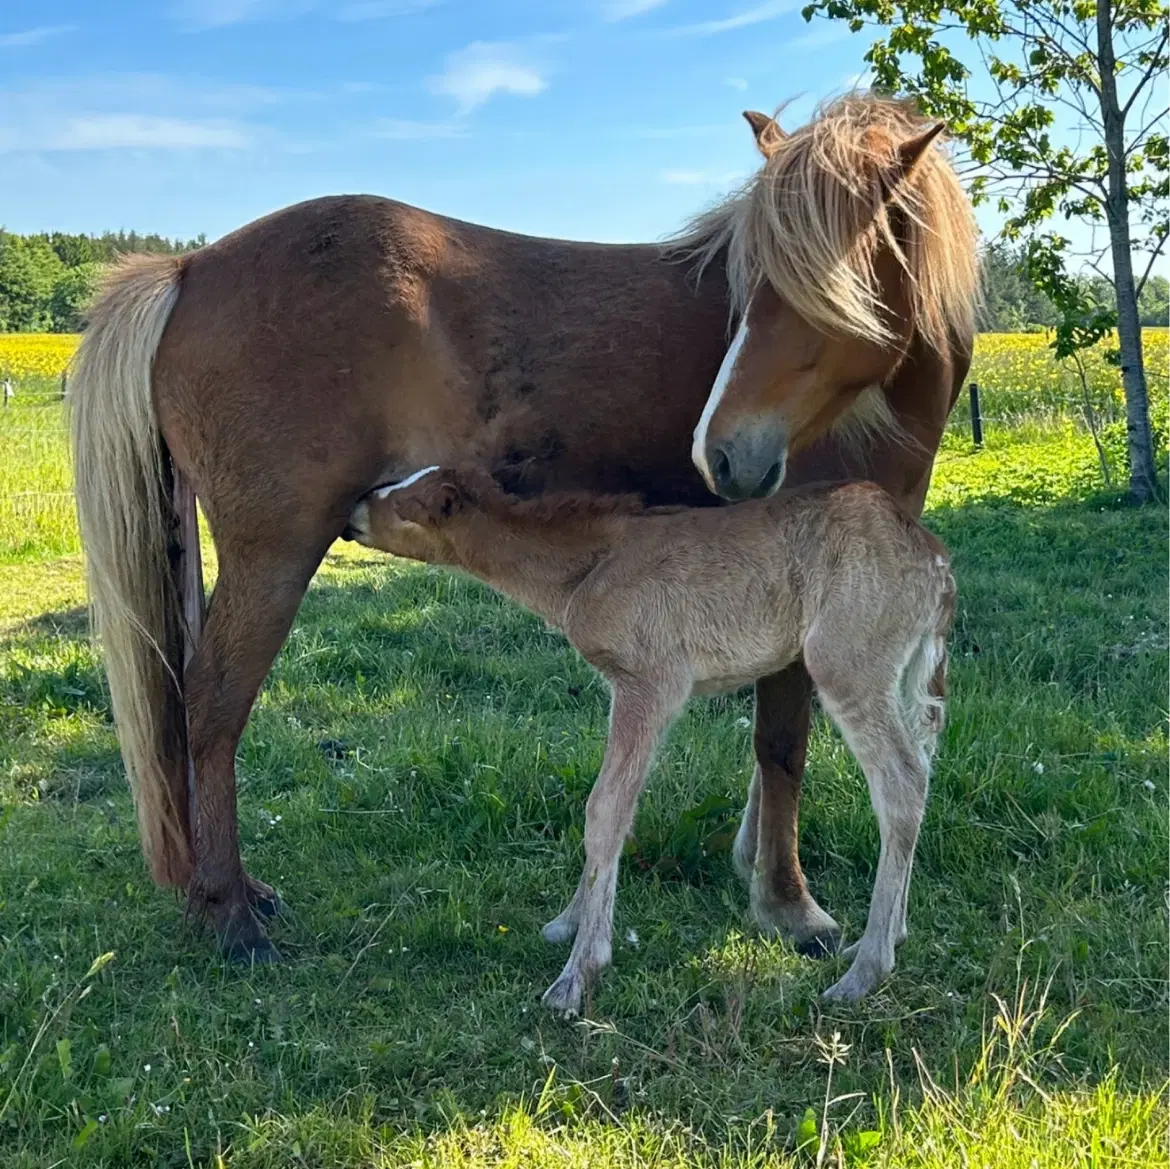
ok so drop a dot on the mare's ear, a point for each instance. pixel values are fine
(430, 504)
(909, 154)
(767, 131)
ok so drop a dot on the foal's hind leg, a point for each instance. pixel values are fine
(781, 901)
(255, 600)
(897, 775)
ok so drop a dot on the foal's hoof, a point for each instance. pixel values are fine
(564, 996)
(559, 931)
(869, 969)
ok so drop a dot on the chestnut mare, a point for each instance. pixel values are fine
(281, 372)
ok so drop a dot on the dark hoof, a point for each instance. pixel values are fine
(819, 946)
(265, 901)
(335, 750)
(255, 952)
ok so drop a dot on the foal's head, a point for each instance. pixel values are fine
(853, 238)
(416, 517)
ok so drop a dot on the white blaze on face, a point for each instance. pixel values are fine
(699, 446)
(382, 492)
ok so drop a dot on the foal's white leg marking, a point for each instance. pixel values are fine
(382, 492)
(699, 446)
(743, 853)
(640, 715)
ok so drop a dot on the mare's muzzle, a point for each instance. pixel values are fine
(751, 463)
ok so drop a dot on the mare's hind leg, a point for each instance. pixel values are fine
(255, 600)
(781, 901)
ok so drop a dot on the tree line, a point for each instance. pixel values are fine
(1013, 303)
(46, 280)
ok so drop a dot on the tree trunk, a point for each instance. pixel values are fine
(1143, 484)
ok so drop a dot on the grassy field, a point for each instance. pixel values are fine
(414, 781)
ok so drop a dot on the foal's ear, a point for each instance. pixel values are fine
(910, 153)
(432, 505)
(767, 131)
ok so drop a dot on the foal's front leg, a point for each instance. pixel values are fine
(641, 711)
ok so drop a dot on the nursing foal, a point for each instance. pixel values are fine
(668, 602)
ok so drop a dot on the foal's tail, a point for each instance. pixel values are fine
(122, 480)
(924, 683)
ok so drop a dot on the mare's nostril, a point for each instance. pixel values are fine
(771, 480)
(720, 468)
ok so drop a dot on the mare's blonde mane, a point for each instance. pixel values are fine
(814, 218)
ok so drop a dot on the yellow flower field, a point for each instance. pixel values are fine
(1020, 378)
(1016, 372)
(25, 356)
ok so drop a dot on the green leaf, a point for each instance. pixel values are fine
(82, 1138)
(808, 1136)
(100, 961)
(65, 1058)
(101, 1061)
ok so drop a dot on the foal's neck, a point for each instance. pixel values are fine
(536, 562)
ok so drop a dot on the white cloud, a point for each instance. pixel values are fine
(130, 112)
(736, 83)
(400, 130)
(757, 15)
(862, 80)
(822, 32)
(473, 74)
(204, 14)
(145, 132)
(200, 15)
(34, 36)
(359, 10)
(613, 10)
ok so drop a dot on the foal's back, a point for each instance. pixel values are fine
(732, 593)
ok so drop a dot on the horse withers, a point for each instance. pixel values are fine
(669, 602)
(283, 371)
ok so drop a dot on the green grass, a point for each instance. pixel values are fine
(414, 780)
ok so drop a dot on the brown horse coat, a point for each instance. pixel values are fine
(294, 364)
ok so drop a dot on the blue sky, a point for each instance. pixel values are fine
(590, 119)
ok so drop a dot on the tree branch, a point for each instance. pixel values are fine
(1154, 254)
(1157, 65)
(1140, 136)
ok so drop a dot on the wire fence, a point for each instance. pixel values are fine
(37, 509)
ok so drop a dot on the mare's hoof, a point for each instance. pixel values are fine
(264, 900)
(821, 945)
(253, 952)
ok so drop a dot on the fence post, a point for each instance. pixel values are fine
(976, 417)
(63, 376)
(8, 394)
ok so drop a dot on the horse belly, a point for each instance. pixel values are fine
(740, 658)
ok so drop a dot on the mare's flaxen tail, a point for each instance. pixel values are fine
(122, 479)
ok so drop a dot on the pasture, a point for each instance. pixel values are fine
(414, 778)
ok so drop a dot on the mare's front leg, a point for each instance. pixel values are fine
(641, 711)
(256, 597)
(767, 847)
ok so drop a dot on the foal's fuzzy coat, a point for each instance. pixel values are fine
(667, 602)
